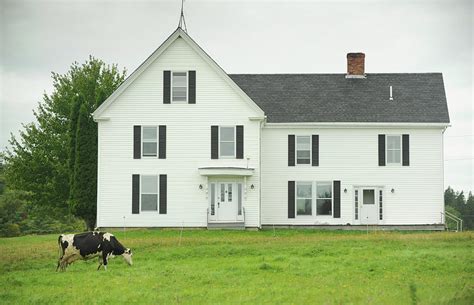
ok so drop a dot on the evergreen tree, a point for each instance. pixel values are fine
(72, 141)
(84, 185)
(460, 202)
(449, 197)
(468, 215)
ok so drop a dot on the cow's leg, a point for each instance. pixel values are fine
(105, 258)
(62, 264)
(100, 262)
(65, 262)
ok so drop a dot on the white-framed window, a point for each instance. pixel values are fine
(394, 149)
(227, 142)
(304, 198)
(179, 87)
(149, 141)
(324, 198)
(303, 149)
(149, 193)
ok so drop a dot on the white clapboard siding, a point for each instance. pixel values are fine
(351, 156)
(188, 144)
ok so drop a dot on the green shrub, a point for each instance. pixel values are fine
(10, 230)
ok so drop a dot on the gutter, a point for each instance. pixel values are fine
(355, 124)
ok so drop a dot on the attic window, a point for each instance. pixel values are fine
(179, 87)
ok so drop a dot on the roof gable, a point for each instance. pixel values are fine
(178, 33)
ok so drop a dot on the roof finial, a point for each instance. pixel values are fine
(182, 21)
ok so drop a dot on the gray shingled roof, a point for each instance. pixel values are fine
(418, 97)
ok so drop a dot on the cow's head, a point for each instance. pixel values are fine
(127, 256)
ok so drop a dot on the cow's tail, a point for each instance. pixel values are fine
(60, 249)
(60, 252)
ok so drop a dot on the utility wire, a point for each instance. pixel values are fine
(463, 136)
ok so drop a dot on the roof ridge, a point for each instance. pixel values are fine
(376, 73)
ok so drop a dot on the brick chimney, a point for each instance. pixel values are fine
(355, 65)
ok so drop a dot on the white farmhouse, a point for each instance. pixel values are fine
(183, 143)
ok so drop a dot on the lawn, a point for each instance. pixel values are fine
(249, 267)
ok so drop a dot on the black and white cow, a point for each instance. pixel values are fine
(87, 245)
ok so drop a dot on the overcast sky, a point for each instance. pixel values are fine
(37, 37)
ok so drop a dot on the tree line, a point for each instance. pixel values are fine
(457, 204)
(48, 174)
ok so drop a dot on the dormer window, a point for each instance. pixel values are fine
(179, 85)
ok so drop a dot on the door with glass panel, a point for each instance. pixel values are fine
(369, 207)
(226, 201)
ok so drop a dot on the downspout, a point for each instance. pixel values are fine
(443, 219)
(262, 123)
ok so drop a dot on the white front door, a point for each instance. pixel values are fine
(226, 201)
(369, 210)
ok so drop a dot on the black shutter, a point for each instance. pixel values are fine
(192, 87)
(162, 142)
(240, 142)
(214, 142)
(381, 150)
(291, 150)
(291, 199)
(137, 142)
(337, 199)
(315, 150)
(135, 194)
(163, 194)
(406, 150)
(166, 87)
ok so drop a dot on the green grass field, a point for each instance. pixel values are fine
(248, 267)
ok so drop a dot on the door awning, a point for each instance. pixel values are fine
(226, 171)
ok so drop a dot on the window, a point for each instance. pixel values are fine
(369, 197)
(149, 142)
(222, 192)
(380, 204)
(394, 149)
(304, 198)
(356, 200)
(149, 193)
(229, 192)
(303, 150)
(323, 198)
(239, 194)
(179, 87)
(213, 199)
(227, 142)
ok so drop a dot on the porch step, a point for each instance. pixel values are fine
(226, 225)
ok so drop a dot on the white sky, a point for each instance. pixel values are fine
(37, 37)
